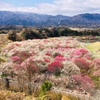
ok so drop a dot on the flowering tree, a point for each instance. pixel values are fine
(69, 68)
(85, 82)
(25, 69)
(96, 67)
(82, 63)
(57, 65)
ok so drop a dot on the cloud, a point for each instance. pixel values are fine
(65, 7)
(4, 6)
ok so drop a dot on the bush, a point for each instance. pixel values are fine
(12, 35)
(46, 86)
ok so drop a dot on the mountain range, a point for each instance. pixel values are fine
(8, 18)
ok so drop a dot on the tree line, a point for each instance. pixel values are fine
(43, 33)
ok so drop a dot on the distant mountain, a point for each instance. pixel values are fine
(40, 20)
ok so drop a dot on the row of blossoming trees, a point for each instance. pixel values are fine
(64, 61)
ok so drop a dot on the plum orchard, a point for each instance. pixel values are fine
(64, 61)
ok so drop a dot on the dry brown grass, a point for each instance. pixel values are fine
(10, 95)
(3, 40)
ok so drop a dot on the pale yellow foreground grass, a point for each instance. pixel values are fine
(9, 95)
(94, 48)
(3, 40)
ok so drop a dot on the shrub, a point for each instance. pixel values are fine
(46, 86)
(12, 35)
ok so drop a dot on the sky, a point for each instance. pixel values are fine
(52, 7)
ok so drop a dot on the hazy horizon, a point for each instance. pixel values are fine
(52, 7)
